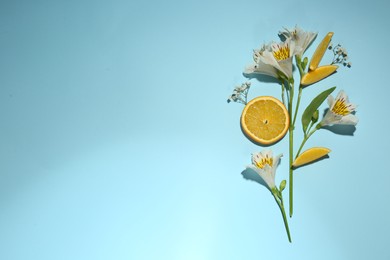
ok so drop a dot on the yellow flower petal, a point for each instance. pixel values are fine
(320, 51)
(310, 155)
(318, 74)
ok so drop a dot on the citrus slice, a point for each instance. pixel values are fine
(265, 120)
(320, 51)
(318, 74)
(310, 155)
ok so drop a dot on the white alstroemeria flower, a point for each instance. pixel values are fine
(301, 38)
(340, 111)
(274, 59)
(265, 165)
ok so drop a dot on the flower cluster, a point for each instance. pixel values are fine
(240, 93)
(340, 55)
(276, 59)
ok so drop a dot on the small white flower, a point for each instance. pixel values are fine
(265, 165)
(340, 111)
(340, 56)
(243, 87)
(240, 93)
(274, 59)
(301, 38)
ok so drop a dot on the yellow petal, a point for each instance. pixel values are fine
(320, 51)
(310, 155)
(318, 74)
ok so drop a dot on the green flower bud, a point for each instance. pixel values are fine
(314, 117)
(304, 63)
(282, 185)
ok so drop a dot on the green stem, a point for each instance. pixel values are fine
(283, 90)
(291, 149)
(281, 206)
(299, 65)
(291, 178)
(304, 141)
(309, 127)
(297, 105)
(301, 73)
(291, 131)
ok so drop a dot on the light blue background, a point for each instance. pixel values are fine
(116, 141)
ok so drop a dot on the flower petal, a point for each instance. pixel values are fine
(348, 120)
(261, 68)
(301, 38)
(268, 176)
(286, 67)
(265, 174)
(330, 118)
(277, 160)
(275, 165)
(330, 101)
(342, 95)
(268, 58)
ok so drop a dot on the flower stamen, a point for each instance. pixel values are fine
(341, 108)
(262, 162)
(281, 52)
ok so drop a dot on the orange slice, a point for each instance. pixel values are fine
(310, 155)
(318, 74)
(265, 120)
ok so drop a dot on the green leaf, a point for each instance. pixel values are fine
(313, 106)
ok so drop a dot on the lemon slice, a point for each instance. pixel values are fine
(265, 120)
(310, 155)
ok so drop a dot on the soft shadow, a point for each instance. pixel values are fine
(262, 78)
(341, 129)
(319, 159)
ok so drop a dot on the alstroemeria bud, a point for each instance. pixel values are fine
(315, 116)
(282, 185)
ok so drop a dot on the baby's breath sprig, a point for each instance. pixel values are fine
(240, 93)
(340, 55)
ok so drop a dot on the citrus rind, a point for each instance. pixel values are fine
(265, 120)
